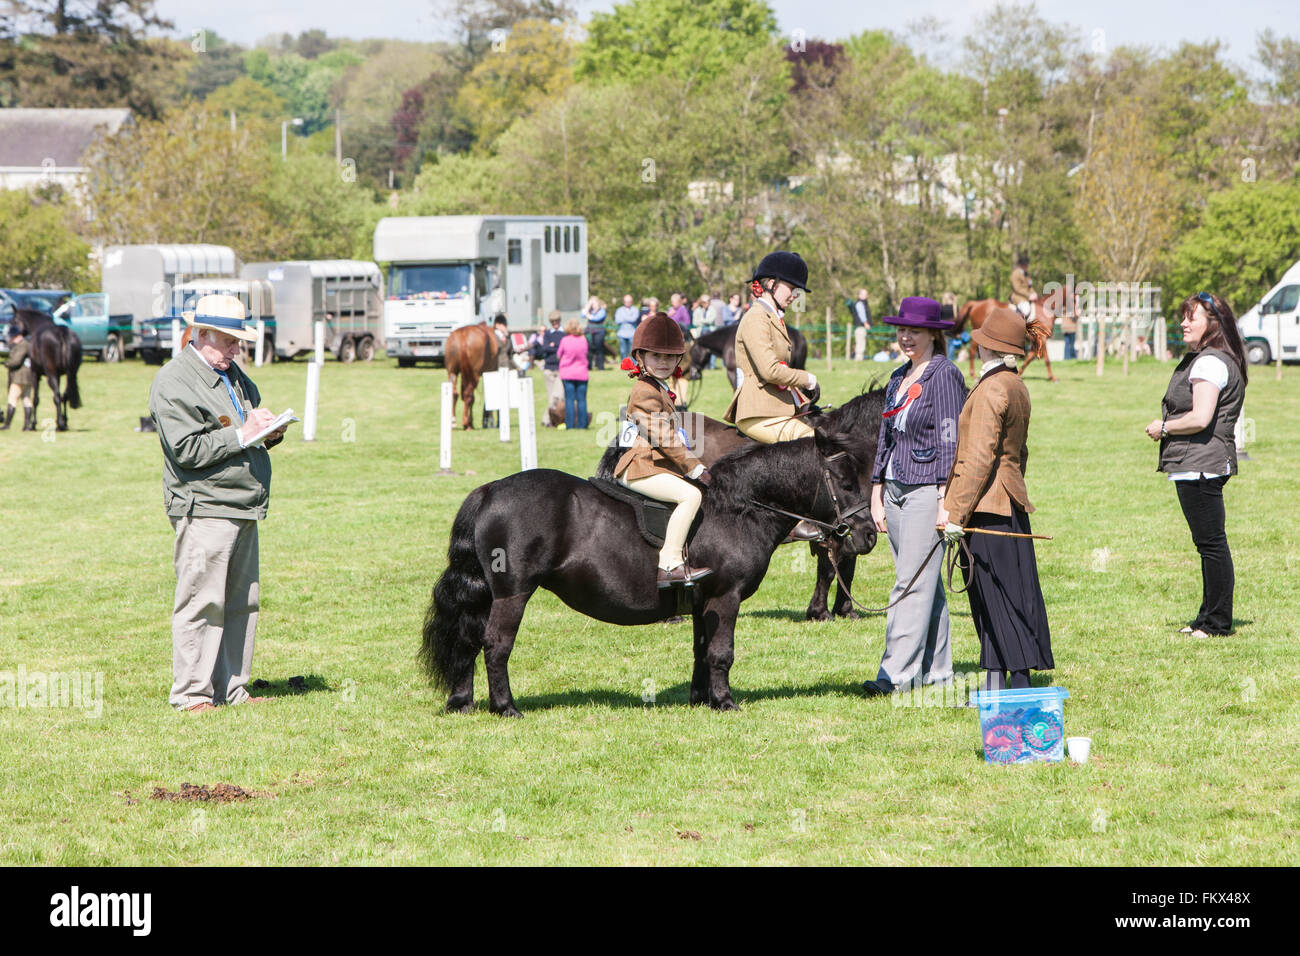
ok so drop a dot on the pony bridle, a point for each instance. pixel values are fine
(840, 528)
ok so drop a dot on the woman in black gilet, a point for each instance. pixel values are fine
(1197, 446)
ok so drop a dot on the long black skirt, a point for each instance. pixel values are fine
(1006, 601)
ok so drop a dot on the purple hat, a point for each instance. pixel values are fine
(920, 312)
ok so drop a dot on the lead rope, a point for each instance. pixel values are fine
(951, 557)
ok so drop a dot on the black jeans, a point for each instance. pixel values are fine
(1202, 502)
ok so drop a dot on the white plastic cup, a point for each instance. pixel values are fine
(1078, 748)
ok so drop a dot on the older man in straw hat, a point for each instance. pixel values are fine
(216, 482)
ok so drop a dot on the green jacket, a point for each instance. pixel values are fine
(205, 472)
(20, 370)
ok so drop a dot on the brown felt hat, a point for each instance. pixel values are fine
(1003, 331)
(658, 333)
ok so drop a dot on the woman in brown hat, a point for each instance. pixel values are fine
(986, 490)
(658, 463)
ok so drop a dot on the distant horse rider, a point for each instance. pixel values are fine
(1023, 295)
(21, 380)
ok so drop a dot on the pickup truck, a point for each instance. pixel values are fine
(101, 333)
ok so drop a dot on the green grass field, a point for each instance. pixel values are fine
(1195, 754)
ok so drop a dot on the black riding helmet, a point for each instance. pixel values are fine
(786, 266)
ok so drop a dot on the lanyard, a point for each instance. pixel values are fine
(234, 399)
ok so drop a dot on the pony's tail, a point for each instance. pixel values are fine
(72, 362)
(462, 599)
(963, 316)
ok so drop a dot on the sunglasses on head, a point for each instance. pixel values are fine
(1208, 300)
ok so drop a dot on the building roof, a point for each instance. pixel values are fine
(30, 138)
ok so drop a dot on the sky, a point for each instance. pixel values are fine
(1162, 24)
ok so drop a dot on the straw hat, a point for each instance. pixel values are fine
(222, 313)
(1003, 331)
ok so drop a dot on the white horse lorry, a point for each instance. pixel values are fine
(1272, 327)
(448, 271)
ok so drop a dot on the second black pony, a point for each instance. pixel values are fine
(584, 547)
(55, 352)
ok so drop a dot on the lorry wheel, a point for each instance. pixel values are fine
(112, 349)
(1258, 352)
(404, 362)
(348, 350)
(366, 349)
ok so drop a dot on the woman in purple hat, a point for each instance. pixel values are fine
(918, 439)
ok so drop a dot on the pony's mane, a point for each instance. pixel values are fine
(738, 477)
(861, 410)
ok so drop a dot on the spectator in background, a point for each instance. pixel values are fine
(571, 355)
(626, 319)
(700, 315)
(1070, 326)
(861, 311)
(678, 311)
(734, 310)
(546, 351)
(595, 316)
(649, 306)
(1198, 449)
(948, 306)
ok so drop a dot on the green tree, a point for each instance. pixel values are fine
(37, 247)
(323, 212)
(91, 53)
(1280, 58)
(248, 99)
(217, 63)
(521, 71)
(184, 178)
(1249, 236)
(689, 40)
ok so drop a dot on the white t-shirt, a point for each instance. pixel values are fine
(1212, 369)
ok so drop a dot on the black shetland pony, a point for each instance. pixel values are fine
(585, 548)
(55, 352)
(722, 343)
(712, 440)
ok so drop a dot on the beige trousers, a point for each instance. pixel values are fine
(20, 394)
(665, 487)
(214, 617)
(859, 343)
(772, 430)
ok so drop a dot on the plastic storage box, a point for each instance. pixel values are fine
(1022, 726)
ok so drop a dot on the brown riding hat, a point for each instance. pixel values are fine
(658, 333)
(1002, 331)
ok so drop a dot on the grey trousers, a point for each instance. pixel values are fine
(214, 617)
(917, 646)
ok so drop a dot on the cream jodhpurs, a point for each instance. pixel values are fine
(772, 430)
(665, 487)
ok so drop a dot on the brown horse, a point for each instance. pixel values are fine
(469, 351)
(1039, 329)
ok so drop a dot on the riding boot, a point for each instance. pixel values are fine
(805, 531)
(29, 419)
(9, 417)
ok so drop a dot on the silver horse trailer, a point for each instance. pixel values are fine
(346, 294)
(139, 279)
(257, 295)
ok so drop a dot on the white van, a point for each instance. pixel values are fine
(1277, 316)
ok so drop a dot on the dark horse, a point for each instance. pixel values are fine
(584, 547)
(713, 440)
(55, 351)
(722, 343)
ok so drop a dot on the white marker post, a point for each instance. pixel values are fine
(257, 348)
(320, 343)
(507, 399)
(527, 424)
(444, 436)
(313, 390)
(176, 337)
